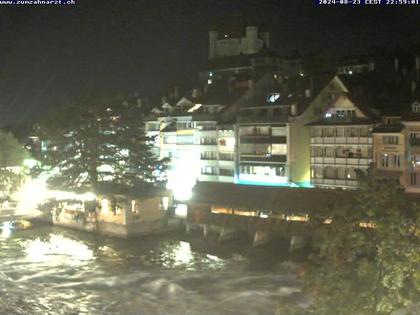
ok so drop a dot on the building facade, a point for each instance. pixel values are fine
(341, 144)
(390, 150)
(411, 122)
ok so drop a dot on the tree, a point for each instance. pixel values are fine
(373, 268)
(12, 154)
(98, 142)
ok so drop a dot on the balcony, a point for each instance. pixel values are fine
(357, 161)
(255, 138)
(415, 142)
(253, 157)
(208, 158)
(227, 158)
(341, 140)
(253, 118)
(336, 182)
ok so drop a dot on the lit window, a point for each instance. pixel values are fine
(209, 81)
(105, 206)
(271, 98)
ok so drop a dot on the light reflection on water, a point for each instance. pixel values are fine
(6, 229)
(57, 250)
(53, 271)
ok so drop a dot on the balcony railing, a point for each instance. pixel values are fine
(262, 118)
(208, 158)
(254, 138)
(252, 157)
(226, 157)
(415, 142)
(339, 182)
(361, 161)
(341, 140)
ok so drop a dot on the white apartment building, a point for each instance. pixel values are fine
(341, 144)
(198, 149)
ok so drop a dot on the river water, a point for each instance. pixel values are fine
(49, 270)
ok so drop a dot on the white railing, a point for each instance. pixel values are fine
(341, 140)
(363, 161)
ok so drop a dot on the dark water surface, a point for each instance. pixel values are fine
(49, 270)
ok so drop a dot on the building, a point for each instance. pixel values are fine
(259, 119)
(390, 149)
(199, 148)
(244, 49)
(355, 65)
(118, 214)
(341, 141)
(411, 121)
(273, 142)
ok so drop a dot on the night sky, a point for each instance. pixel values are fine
(50, 56)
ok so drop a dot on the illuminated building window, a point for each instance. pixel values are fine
(209, 170)
(273, 97)
(165, 203)
(208, 155)
(105, 205)
(209, 81)
(208, 141)
(390, 139)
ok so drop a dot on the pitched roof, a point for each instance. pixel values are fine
(276, 199)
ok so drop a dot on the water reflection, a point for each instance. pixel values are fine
(6, 229)
(53, 271)
(57, 250)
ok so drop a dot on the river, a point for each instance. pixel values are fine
(50, 270)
